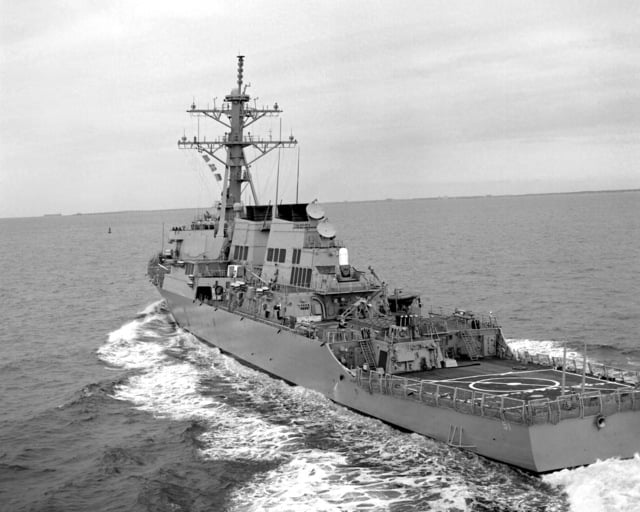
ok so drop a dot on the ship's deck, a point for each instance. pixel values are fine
(513, 379)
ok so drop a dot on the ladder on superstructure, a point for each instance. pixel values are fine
(433, 332)
(367, 352)
(472, 349)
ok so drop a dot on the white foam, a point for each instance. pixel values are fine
(612, 485)
(154, 307)
(124, 347)
(556, 349)
(550, 347)
(305, 478)
(168, 391)
(325, 480)
(170, 388)
(125, 350)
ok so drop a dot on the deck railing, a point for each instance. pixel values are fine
(461, 320)
(500, 407)
(575, 365)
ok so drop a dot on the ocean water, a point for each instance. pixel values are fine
(107, 405)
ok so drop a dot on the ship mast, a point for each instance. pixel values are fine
(236, 114)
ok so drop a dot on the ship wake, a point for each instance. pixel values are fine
(314, 455)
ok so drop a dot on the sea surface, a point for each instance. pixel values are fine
(106, 405)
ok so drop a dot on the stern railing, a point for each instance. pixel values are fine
(500, 407)
(575, 365)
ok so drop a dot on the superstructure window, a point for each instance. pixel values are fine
(276, 254)
(295, 259)
(301, 277)
(240, 252)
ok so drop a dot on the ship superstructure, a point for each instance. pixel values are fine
(272, 285)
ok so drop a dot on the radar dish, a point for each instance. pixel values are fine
(326, 230)
(315, 211)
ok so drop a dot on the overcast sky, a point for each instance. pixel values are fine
(388, 99)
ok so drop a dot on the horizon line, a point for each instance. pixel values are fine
(430, 198)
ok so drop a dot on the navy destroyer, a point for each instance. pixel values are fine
(271, 285)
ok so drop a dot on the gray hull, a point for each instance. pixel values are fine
(307, 362)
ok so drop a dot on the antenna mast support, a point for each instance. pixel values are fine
(236, 114)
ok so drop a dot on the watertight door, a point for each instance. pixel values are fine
(382, 359)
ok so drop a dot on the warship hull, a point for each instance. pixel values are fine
(311, 363)
(272, 286)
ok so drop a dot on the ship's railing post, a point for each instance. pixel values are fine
(548, 408)
(438, 395)
(581, 405)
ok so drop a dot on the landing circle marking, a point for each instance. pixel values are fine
(515, 383)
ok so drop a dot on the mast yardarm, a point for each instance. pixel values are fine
(235, 114)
